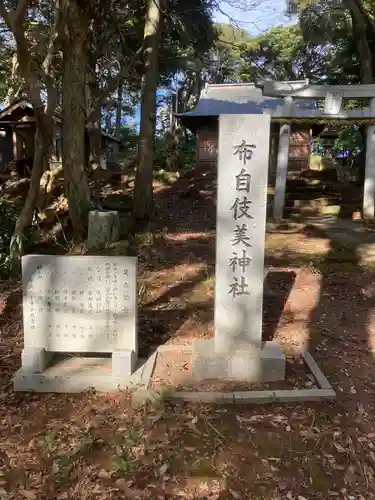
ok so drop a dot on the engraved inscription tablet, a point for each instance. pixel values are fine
(241, 220)
(79, 303)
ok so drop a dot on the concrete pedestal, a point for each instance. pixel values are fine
(74, 374)
(253, 365)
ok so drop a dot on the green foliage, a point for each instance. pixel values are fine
(9, 212)
(330, 24)
(129, 140)
(349, 140)
(188, 35)
(226, 55)
(189, 152)
(183, 155)
(5, 67)
(281, 53)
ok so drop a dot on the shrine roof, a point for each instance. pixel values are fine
(241, 98)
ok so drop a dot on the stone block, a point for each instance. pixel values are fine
(243, 159)
(104, 229)
(79, 304)
(34, 382)
(284, 396)
(123, 363)
(34, 359)
(81, 374)
(204, 397)
(273, 362)
(265, 365)
(75, 307)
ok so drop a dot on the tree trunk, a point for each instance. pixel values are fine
(119, 111)
(76, 27)
(143, 199)
(93, 124)
(43, 141)
(361, 41)
(95, 141)
(15, 88)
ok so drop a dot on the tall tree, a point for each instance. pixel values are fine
(187, 32)
(75, 24)
(119, 111)
(143, 197)
(36, 67)
(115, 47)
(349, 23)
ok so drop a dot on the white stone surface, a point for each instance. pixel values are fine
(123, 363)
(268, 365)
(369, 185)
(302, 89)
(35, 359)
(301, 113)
(281, 171)
(333, 103)
(79, 375)
(241, 217)
(236, 352)
(79, 303)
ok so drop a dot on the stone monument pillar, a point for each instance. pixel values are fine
(369, 186)
(282, 163)
(281, 171)
(237, 351)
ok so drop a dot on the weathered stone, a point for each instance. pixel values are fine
(287, 396)
(236, 352)
(78, 304)
(266, 365)
(104, 229)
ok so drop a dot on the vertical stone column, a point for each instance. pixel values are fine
(240, 230)
(237, 351)
(281, 171)
(369, 185)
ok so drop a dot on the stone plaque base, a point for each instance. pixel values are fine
(76, 374)
(266, 366)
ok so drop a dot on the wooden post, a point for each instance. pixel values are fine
(16, 146)
(369, 184)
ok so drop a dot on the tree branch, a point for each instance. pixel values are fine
(15, 17)
(15, 21)
(366, 16)
(5, 14)
(21, 10)
(113, 83)
(53, 40)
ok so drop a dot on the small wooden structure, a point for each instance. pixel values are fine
(294, 114)
(245, 98)
(17, 132)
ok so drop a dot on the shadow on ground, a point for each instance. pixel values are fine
(96, 446)
(181, 240)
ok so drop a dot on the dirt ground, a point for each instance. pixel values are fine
(96, 446)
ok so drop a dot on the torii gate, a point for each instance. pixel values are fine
(333, 96)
